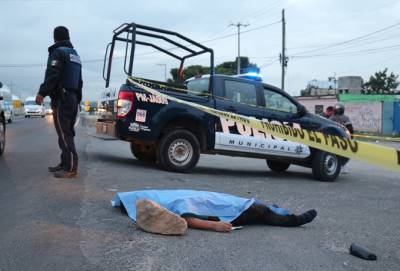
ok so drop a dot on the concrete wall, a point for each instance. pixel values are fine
(366, 117)
(311, 102)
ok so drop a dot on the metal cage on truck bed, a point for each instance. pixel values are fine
(129, 33)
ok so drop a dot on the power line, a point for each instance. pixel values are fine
(351, 53)
(145, 53)
(351, 40)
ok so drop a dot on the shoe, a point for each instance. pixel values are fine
(65, 174)
(306, 217)
(153, 218)
(56, 168)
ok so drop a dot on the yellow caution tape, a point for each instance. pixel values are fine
(371, 153)
(384, 138)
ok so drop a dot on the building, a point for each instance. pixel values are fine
(350, 84)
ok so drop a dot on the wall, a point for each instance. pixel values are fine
(311, 102)
(366, 117)
(387, 118)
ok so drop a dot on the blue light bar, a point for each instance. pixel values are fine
(251, 76)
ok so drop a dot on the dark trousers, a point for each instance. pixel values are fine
(64, 116)
(262, 214)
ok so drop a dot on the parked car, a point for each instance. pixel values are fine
(33, 109)
(2, 126)
(7, 104)
(47, 108)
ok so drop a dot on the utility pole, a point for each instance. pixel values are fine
(283, 58)
(165, 71)
(238, 25)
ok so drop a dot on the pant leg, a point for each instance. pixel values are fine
(66, 115)
(54, 107)
(262, 214)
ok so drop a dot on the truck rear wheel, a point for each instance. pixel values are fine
(325, 166)
(2, 135)
(149, 156)
(277, 166)
(178, 150)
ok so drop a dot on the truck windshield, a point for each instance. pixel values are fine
(199, 86)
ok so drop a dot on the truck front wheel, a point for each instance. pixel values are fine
(149, 156)
(178, 150)
(277, 166)
(325, 166)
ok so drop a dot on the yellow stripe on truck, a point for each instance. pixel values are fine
(370, 153)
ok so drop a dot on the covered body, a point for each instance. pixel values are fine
(201, 203)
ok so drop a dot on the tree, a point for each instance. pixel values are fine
(226, 68)
(381, 83)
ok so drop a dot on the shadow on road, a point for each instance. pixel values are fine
(252, 173)
(201, 170)
(103, 157)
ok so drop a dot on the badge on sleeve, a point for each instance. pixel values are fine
(55, 63)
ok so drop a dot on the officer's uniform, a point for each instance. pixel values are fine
(63, 83)
(344, 120)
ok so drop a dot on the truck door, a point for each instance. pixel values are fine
(281, 110)
(243, 98)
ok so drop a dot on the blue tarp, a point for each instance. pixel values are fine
(203, 203)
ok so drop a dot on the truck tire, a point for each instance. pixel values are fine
(178, 150)
(2, 135)
(277, 166)
(143, 156)
(325, 166)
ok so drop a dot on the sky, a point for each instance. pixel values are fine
(323, 38)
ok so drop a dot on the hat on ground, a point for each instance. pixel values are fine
(153, 218)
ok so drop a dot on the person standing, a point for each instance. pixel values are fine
(63, 83)
(328, 112)
(339, 117)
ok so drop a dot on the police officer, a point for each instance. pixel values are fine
(63, 83)
(339, 117)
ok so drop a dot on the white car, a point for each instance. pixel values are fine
(2, 127)
(47, 108)
(7, 104)
(32, 109)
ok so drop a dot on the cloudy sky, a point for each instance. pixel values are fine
(324, 38)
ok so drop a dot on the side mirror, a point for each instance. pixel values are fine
(301, 110)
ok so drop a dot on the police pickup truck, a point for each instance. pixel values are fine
(174, 134)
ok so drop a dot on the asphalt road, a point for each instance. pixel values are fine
(50, 224)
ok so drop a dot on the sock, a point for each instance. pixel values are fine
(306, 217)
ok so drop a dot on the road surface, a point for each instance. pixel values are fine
(52, 224)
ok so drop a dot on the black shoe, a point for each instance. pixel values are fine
(306, 217)
(65, 174)
(56, 168)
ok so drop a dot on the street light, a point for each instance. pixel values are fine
(165, 71)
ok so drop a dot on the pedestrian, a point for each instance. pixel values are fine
(339, 117)
(328, 112)
(63, 83)
(208, 210)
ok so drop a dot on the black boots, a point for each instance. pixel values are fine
(305, 218)
(56, 168)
